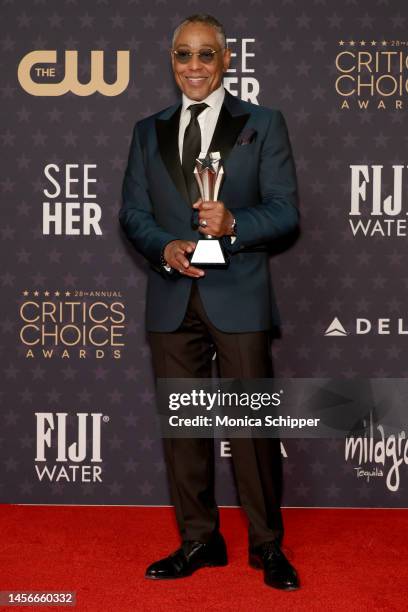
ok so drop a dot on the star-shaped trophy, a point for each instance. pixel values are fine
(209, 173)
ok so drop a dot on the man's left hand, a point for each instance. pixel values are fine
(218, 220)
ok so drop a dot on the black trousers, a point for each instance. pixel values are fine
(187, 353)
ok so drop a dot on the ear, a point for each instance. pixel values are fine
(226, 59)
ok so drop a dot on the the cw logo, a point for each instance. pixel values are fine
(70, 81)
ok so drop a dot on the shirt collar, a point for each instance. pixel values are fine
(214, 100)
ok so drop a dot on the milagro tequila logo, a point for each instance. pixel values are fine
(69, 458)
(378, 455)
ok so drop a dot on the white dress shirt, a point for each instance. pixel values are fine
(207, 119)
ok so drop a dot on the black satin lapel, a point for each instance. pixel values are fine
(226, 132)
(167, 138)
(225, 135)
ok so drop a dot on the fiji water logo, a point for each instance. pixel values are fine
(69, 456)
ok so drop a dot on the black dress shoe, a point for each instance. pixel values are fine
(190, 557)
(278, 572)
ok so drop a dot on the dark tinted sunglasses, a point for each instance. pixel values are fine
(206, 56)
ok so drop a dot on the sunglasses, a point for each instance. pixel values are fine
(206, 56)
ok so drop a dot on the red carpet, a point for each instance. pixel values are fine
(347, 560)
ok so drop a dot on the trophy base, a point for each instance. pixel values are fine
(210, 254)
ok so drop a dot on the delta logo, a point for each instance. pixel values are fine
(362, 327)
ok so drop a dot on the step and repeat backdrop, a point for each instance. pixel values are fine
(78, 414)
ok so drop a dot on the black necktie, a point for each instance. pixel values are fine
(191, 149)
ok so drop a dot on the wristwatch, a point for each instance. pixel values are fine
(234, 226)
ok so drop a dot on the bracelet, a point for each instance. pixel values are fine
(164, 263)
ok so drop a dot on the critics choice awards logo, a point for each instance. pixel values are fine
(68, 323)
(372, 74)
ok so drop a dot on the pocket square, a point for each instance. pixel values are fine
(246, 137)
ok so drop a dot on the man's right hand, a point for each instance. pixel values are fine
(175, 256)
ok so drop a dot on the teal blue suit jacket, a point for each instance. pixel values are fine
(259, 188)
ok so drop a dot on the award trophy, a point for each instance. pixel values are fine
(209, 173)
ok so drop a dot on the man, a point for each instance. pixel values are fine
(192, 310)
